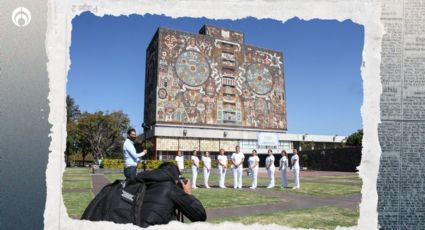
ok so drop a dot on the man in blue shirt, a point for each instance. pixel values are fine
(131, 157)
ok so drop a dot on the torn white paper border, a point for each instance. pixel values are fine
(61, 13)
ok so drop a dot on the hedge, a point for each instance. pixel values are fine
(153, 164)
(79, 157)
(343, 159)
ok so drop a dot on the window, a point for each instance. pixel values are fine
(249, 144)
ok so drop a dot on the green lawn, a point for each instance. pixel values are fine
(219, 198)
(354, 180)
(318, 218)
(77, 184)
(214, 178)
(323, 189)
(76, 201)
(323, 186)
(225, 198)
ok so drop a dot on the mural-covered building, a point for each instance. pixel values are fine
(209, 91)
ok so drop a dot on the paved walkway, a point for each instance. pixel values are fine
(293, 201)
(98, 182)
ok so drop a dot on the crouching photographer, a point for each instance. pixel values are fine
(157, 197)
(166, 192)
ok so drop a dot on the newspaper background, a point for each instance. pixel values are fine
(401, 180)
(397, 122)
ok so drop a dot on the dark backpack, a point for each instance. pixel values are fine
(117, 202)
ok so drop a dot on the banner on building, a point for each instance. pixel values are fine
(268, 139)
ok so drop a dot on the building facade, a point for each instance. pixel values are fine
(210, 90)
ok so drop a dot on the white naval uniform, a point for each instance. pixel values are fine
(195, 160)
(180, 162)
(270, 170)
(252, 160)
(207, 163)
(283, 164)
(237, 171)
(296, 170)
(222, 170)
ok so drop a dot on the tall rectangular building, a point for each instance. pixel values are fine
(211, 88)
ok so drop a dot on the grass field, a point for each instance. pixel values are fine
(76, 202)
(319, 189)
(76, 189)
(219, 198)
(226, 198)
(318, 218)
(77, 194)
(335, 185)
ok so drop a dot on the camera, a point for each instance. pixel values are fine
(182, 180)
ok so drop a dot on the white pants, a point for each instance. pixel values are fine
(206, 177)
(222, 173)
(283, 178)
(181, 167)
(254, 177)
(237, 176)
(296, 172)
(194, 175)
(270, 173)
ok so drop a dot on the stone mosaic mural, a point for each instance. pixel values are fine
(214, 79)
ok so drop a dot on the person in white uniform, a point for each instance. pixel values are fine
(295, 166)
(195, 166)
(270, 168)
(180, 161)
(237, 167)
(283, 165)
(206, 159)
(253, 166)
(222, 168)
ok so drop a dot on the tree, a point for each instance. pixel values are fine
(72, 110)
(72, 114)
(99, 132)
(355, 139)
(102, 133)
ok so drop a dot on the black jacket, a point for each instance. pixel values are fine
(163, 197)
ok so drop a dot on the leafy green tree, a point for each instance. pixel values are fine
(72, 110)
(102, 133)
(355, 139)
(97, 132)
(72, 114)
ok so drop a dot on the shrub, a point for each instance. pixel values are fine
(79, 157)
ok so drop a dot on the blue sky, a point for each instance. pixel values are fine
(322, 62)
